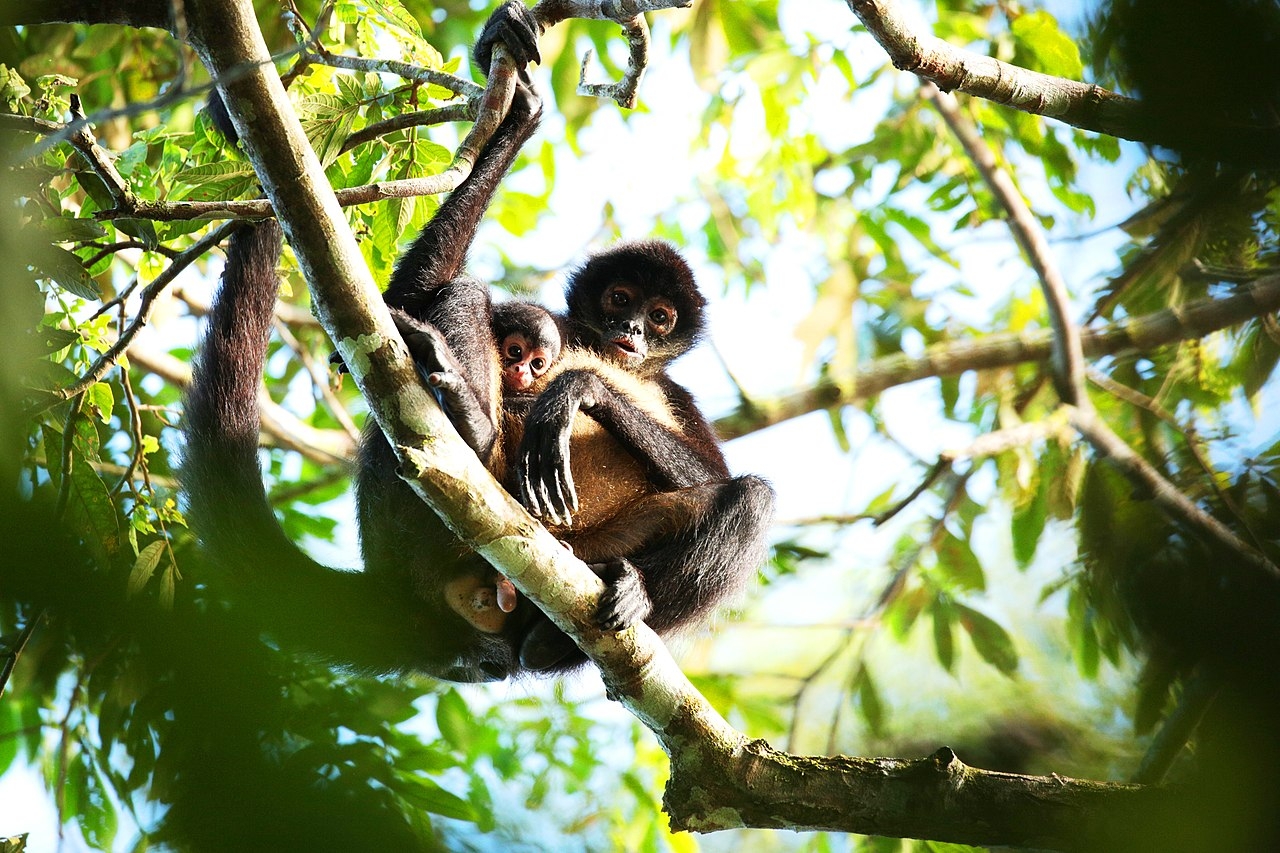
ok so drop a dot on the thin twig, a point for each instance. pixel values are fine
(1141, 334)
(319, 380)
(1189, 434)
(19, 646)
(1068, 358)
(1164, 493)
(150, 292)
(623, 92)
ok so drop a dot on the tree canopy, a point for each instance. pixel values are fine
(995, 293)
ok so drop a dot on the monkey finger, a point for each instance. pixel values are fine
(528, 494)
(551, 507)
(538, 497)
(556, 473)
(568, 489)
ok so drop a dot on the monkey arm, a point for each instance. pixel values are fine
(692, 550)
(439, 253)
(543, 476)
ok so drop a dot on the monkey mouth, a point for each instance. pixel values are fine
(625, 350)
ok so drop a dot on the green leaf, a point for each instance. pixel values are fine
(92, 509)
(99, 401)
(869, 701)
(835, 416)
(943, 634)
(992, 641)
(144, 567)
(518, 213)
(327, 120)
(139, 229)
(67, 271)
(84, 439)
(1029, 520)
(95, 815)
(428, 795)
(71, 229)
(57, 339)
(221, 180)
(959, 565)
(13, 89)
(10, 722)
(1044, 47)
(455, 720)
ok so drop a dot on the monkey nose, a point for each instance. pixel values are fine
(521, 379)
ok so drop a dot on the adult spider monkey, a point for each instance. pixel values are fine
(658, 517)
(660, 520)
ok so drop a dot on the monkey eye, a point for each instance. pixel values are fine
(514, 351)
(620, 297)
(659, 317)
(538, 365)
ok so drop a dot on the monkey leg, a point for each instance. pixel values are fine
(693, 550)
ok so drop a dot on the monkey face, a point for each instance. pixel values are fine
(632, 321)
(523, 361)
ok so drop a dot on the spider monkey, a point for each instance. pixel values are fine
(431, 590)
(674, 536)
(620, 463)
(529, 343)
(658, 517)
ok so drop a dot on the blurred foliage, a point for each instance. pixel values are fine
(1017, 592)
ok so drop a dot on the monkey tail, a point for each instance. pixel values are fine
(346, 617)
(225, 493)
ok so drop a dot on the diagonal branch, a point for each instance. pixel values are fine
(953, 69)
(1068, 359)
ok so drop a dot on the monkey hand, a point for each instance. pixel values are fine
(625, 600)
(517, 29)
(440, 368)
(544, 478)
(526, 103)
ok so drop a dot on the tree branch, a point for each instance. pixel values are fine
(1193, 320)
(1165, 494)
(281, 427)
(1068, 359)
(952, 69)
